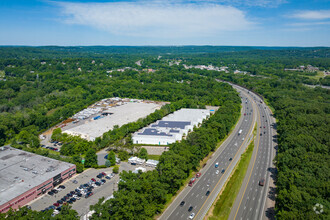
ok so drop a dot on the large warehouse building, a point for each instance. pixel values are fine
(25, 176)
(171, 128)
(119, 115)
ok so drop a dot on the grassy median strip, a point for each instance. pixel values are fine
(224, 204)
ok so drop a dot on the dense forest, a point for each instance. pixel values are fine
(41, 86)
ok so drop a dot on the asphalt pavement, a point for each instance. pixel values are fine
(232, 147)
(255, 201)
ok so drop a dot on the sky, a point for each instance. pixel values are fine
(165, 22)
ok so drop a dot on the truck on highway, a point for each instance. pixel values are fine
(240, 132)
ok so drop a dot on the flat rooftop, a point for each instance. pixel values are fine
(120, 115)
(21, 171)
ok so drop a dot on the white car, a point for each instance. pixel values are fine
(217, 172)
(192, 216)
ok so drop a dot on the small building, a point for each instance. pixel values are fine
(152, 163)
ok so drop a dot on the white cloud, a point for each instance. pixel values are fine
(312, 15)
(301, 24)
(151, 19)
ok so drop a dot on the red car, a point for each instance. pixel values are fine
(198, 175)
(56, 204)
(94, 180)
(192, 181)
(104, 174)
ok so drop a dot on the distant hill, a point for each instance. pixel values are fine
(104, 51)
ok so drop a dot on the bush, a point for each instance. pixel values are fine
(115, 169)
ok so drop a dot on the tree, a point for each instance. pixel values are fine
(91, 158)
(143, 153)
(112, 158)
(115, 169)
(56, 133)
(79, 167)
(107, 163)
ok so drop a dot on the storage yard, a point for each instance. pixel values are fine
(171, 128)
(101, 117)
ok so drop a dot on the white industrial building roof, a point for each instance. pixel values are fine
(171, 128)
(21, 171)
(123, 114)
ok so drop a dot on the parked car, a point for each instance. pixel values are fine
(59, 201)
(103, 180)
(88, 194)
(69, 201)
(108, 177)
(94, 180)
(104, 174)
(50, 193)
(61, 186)
(73, 199)
(98, 183)
(198, 175)
(56, 204)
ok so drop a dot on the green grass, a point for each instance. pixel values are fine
(154, 157)
(2, 73)
(223, 205)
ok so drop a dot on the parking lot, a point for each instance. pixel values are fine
(82, 205)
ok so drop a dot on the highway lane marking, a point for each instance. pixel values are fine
(251, 127)
(255, 157)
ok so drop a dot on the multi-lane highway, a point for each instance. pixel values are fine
(250, 203)
(254, 201)
(213, 178)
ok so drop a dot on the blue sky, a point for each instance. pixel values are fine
(160, 22)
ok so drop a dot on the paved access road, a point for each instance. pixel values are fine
(255, 201)
(232, 147)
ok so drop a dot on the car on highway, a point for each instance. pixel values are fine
(198, 175)
(217, 172)
(207, 193)
(216, 165)
(223, 171)
(190, 209)
(262, 182)
(192, 216)
(260, 134)
(230, 159)
(182, 203)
